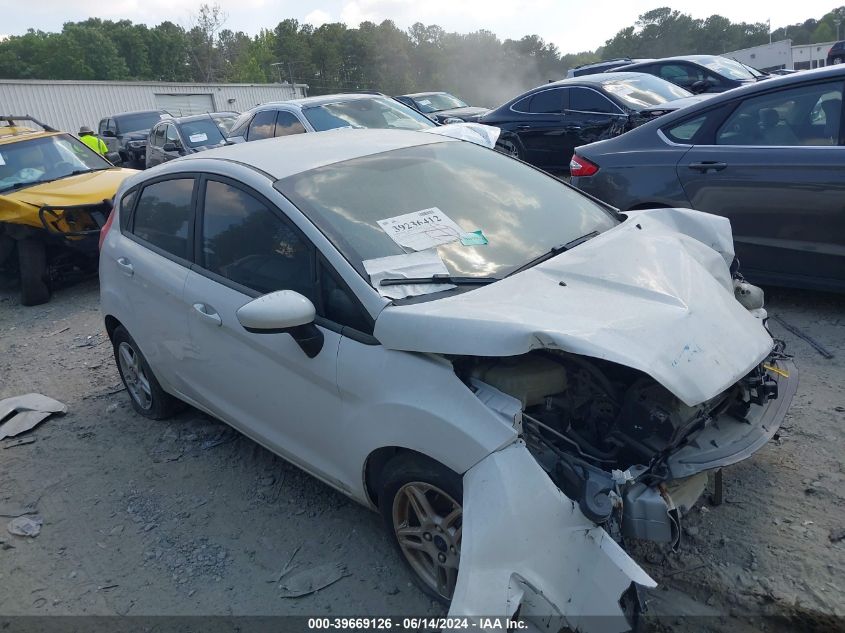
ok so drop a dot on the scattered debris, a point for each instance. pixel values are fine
(310, 580)
(19, 442)
(837, 535)
(288, 566)
(815, 344)
(224, 437)
(103, 394)
(31, 409)
(64, 329)
(25, 526)
(10, 510)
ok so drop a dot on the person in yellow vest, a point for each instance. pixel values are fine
(87, 136)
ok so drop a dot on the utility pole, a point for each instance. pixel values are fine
(837, 22)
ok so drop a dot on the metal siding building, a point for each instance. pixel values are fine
(67, 105)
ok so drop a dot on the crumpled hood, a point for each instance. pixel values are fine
(21, 206)
(653, 293)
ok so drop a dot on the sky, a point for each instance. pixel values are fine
(572, 26)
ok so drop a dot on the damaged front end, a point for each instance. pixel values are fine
(607, 454)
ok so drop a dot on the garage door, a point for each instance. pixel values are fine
(185, 105)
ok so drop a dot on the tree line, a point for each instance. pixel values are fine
(479, 66)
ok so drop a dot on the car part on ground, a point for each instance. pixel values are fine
(544, 125)
(768, 156)
(55, 195)
(606, 363)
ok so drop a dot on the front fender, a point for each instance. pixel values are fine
(527, 546)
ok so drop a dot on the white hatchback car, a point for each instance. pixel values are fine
(516, 376)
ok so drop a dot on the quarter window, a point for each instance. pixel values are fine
(163, 216)
(245, 242)
(684, 132)
(547, 102)
(287, 123)
(262, 125)
(803, 116)
(586, 100)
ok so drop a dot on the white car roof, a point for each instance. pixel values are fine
(289, 155)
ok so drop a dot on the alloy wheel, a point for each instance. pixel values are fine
(427, 523)
(134, 376)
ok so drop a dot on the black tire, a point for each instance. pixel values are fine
(410, 471)
(510, 146)
(32, 263)
(161, 404)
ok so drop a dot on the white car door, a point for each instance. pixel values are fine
(154, 258)
(264, 384)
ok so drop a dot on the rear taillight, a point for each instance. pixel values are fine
(580, 166)
(104, 231)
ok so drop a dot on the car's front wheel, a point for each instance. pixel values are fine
(421, 505)
(145, 392)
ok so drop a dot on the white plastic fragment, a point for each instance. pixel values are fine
(25, 526)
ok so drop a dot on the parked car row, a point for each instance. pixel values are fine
(768, 156)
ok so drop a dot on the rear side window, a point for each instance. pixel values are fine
(586, 100)
(287, 123)
(163, 216)
(262, 126)
(547, 102)
(802, 116)
(126, 204)
(244, 241)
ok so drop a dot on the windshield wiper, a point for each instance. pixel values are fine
(438, 279)
(554, 251)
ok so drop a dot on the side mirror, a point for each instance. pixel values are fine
(284, 311)
(451, 119)
(114, 158)
(171, 147)
(108, 134)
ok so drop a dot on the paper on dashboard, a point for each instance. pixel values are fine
(420, 264)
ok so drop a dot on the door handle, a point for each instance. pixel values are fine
(522, 127)
(126, 266)
(208, 313)
(707, 165)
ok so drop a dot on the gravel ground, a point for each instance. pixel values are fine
(188, 517)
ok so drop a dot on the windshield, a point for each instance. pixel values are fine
(375, 112)
(504, 213)
(438, 101)
(135, 122)
(644, 91)
(225, 121)
(201, 132)
(44, 159)
(728, 68)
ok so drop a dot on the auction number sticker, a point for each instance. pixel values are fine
(421, 229)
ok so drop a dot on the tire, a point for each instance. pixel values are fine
(510, 146)
(145, 392)
(413, 486)
(32, 261)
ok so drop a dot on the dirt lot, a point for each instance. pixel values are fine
(188, 517)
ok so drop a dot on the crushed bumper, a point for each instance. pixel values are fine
(528, 547)
(729, 440)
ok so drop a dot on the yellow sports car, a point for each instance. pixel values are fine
(55, 194)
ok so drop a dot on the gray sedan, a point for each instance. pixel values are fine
(768, 156)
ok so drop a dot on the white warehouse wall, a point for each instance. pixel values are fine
(67, 105)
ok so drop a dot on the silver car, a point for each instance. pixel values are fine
(327, 112)
(516, 377)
